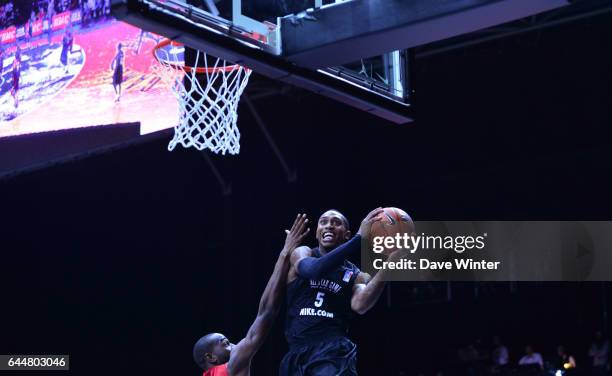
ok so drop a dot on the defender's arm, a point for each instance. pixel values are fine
(269, 305)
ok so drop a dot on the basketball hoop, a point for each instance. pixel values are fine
(208, 96)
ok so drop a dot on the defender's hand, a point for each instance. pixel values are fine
(297, 233)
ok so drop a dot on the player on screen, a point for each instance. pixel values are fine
(1, 63)
(86, 12)
(67, 41)
(31, 25)
(49, 16)
(324, 290)
(117, 68)
(106, 10)
(215, 354)
(16, 75)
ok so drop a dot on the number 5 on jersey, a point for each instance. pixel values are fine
(319, 299)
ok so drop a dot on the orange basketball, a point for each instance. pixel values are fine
(392, 221)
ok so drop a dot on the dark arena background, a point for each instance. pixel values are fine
(123, 259)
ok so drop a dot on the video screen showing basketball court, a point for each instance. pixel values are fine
(58, 69)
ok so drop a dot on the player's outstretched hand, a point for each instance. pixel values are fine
(297, 233)
(366, 224)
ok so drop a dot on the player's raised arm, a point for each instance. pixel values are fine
(309, 267)
(269, 304)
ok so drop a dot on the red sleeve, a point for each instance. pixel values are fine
(217, 371)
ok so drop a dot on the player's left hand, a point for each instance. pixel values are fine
(297, 233)
(366, 224)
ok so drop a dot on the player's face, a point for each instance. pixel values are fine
(331, 230)
(222, 349)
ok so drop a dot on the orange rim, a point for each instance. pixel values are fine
(166, 42)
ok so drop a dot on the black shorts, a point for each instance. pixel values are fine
(64, 57)
(337, 357)
(16, 80)
(118, 75)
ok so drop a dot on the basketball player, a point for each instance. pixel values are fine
(324, 290)
(117, 68)
(49, 16)
(85, 13)
(215, 354)
(16, 75)
(106, 10)
(66, 48)
(30, 31)
(1, 62)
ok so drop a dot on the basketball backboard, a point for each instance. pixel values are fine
(354, 51)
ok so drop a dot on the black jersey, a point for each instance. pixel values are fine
(320, 308)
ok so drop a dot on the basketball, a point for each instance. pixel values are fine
(392, 221)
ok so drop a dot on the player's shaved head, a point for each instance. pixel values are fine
(203, 346)
(212, 349)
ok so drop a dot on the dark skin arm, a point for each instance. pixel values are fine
(367, 290)
(365, 293)
(298, 254)
(269, 305)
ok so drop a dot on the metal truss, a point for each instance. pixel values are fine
(580, 9)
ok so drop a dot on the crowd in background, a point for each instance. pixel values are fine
(33, 23)
(477, 359)
(17, 14)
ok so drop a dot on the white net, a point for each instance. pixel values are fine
(208, 98)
